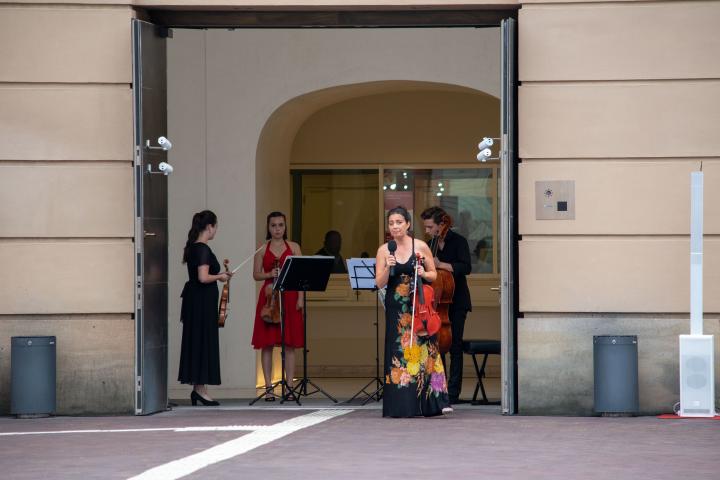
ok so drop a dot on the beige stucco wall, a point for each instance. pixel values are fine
(66, 189)
(613, 100)
(224, 158)
(438, 124)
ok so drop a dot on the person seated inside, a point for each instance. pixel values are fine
(331, 248)
(483, 256)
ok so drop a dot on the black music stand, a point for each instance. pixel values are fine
(305, 274)
(362, 277)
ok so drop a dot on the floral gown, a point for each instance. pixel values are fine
(415, 381)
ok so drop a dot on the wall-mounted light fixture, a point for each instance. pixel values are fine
(163, 167)
(163, 144)
(484, 151)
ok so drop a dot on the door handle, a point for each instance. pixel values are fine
(495, 289)
(150, 234)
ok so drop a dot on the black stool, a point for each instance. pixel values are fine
(485, 348)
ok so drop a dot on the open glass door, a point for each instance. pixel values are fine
(508, 218)
(151, 219)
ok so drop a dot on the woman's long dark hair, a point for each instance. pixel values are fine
(400, 210)
(267, 224)
(200, 222)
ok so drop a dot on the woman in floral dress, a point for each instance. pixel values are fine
(415, 383)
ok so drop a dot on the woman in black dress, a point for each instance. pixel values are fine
(200, 351)
(415, 381)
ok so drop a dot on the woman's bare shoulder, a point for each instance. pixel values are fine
(420, 244)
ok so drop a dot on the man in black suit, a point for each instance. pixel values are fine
(453, 255)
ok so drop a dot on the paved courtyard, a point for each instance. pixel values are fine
(322, 440)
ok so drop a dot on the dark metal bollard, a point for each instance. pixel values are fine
(615, 366)
(32, 376)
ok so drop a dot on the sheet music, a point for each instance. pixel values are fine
(362, 273)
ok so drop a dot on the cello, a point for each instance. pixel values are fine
(224, 306)
(444, 288)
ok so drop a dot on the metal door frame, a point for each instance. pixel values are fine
(508, 217)
(140, 158)
(407, 19)
(138, 220)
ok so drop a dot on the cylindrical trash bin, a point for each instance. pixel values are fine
(615, 366)
(32, 381)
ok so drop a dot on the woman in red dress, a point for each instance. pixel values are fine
(266, 335)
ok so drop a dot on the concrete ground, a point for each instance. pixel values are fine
(328, 441)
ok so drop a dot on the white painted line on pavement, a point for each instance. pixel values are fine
(228, 428)
(187, 465)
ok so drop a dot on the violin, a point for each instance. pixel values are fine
(428, 320)
(444, 287)
(224, 307)
(270, 312)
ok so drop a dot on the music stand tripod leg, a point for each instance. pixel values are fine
(301, 388)
(377, 394)
(283, 380)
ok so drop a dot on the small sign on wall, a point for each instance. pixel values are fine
(555, 200)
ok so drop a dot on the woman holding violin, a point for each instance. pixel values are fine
(200, 351)
(266, 332)
(452, 254)
(414, 375)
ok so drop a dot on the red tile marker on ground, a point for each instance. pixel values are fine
(672, 416)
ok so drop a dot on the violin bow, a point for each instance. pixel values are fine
(247, 259)
(412, 321)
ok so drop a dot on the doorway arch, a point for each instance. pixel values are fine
(295, 129)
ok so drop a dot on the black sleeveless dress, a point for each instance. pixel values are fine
(415, 383)
(200, 349)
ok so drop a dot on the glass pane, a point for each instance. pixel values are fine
(468, 195)
(335, 212)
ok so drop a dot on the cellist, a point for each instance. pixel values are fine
(453, 255)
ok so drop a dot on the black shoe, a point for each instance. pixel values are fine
(456, 401)
(196, 397)
(269, 395)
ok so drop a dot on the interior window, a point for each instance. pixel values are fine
(468, 195)
(335, 213)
